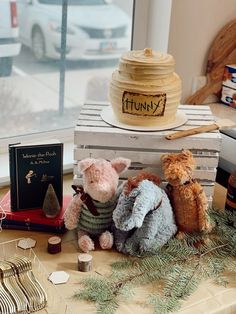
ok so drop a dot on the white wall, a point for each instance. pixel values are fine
(194, 24)
(159, 23)
(151, 24)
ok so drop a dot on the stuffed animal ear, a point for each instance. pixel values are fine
(166, 158)
(120, 164)
(85, 164)
(187, 153)
(189, 159)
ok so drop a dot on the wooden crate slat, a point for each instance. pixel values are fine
(208, 189)
(91, 108)
(91, 111)
(147, 158)
(135, 134)
(195, 123)
(196, 111)
(194, 107)
(95, 106)
(102, 136)
(187, 127)
(191, 122)
(85, 117)
(207, 175)
(94, 123)
(200, 117)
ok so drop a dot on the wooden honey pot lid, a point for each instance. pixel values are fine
(146, 63)
(148, 57)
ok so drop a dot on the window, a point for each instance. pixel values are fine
(98, 31)
(32, 101)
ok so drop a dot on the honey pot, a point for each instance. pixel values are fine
(145, 90)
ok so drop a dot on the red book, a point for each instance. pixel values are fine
(33, 219)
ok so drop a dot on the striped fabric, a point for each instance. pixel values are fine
(96, 225)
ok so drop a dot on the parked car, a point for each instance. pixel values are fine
(97, 29)
(9, 43)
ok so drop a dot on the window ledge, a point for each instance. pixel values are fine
(67, 163)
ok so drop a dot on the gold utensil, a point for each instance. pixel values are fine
(219, 124)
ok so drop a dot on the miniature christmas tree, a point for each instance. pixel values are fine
(51, 206)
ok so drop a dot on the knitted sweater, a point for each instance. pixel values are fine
(95, 225)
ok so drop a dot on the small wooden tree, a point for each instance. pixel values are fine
(51, 206)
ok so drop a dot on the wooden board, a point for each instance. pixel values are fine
(221, 53)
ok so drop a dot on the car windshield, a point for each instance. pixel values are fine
(73, 2)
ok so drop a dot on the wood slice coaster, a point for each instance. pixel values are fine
(54, 245)
(85, 262)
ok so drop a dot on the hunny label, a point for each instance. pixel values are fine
(143, 105)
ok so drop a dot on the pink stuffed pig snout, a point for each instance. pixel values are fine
(101, 177)
(101, 185)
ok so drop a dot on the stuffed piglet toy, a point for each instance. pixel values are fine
(90, 210)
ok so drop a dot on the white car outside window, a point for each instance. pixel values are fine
(9, 44)
(97, 29)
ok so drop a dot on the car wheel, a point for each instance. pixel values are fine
(38, 45)
(6, 66)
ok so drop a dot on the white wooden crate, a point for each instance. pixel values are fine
(97, 139)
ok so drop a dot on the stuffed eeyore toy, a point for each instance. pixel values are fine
(143, 217)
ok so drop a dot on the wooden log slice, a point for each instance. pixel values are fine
(85, 262)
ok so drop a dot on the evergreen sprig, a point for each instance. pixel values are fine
(177, 268)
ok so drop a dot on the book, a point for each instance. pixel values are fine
(32, 168)
(33, 219)
(16, 225)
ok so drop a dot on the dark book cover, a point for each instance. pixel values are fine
(33, 219)
(30, 226)
(32, 169)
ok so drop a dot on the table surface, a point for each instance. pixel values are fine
(207, 299)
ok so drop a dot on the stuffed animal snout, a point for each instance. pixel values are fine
(100, 177)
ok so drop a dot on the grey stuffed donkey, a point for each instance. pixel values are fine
(143, 219)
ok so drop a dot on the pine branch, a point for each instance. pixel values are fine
(177, 267)
(213, 249)
(116, 286)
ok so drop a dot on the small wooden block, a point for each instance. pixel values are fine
(85, 262)
(54, 245)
